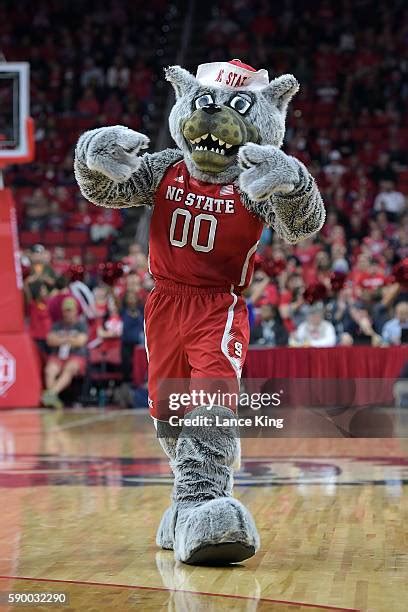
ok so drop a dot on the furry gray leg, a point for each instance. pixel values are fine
(168, 436)
(210, 526)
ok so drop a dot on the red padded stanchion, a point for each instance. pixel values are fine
(20, 384)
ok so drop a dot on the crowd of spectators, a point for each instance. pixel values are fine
(90, 65)
(75, 309)
(348, 124)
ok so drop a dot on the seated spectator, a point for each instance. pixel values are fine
(105, 224)
(118, 74)
(395, 331)
(36, 211)
(315, 331)
(113, 107)
(132, 335)
(38, 314)
(375, 241)
(92, 75)
(81, 218)
(112, 325)
(263, 290)
(40, 269)
(88, 105)
(270, 331)
(337, 311)
(387, 228)
(383, 170)
(101, 294)
(67, 343)
(334, 169)
(60, 263)
(56, 218)
(390, 200)
(56, 300)
(400, 242)
(359, 327)
(292, 306)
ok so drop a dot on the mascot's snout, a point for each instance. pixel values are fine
(214, 133)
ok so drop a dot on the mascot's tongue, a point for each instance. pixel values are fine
(232, 75)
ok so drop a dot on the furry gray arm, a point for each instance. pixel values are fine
(281, 191)
(109, 171)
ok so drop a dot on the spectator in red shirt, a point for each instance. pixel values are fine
(38, 314)
(375, 242)
(81, 219)
(306, 251)
(88, 105)
(368, 276)
(263, 290)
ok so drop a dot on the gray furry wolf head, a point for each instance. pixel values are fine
(224, 106)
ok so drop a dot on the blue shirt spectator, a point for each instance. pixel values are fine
(393, 330)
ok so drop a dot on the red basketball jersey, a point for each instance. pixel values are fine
(201, 234)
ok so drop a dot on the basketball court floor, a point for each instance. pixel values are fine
(81, 495)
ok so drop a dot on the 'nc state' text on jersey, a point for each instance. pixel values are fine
(203, 202)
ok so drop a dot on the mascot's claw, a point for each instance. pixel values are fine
(205, 525)
(266, 170)
(113, 151)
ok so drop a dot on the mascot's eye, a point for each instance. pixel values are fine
(204, 100)
(240, 104)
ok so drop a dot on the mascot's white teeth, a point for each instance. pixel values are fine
(212, 149)
(216, 139)
(209, 142)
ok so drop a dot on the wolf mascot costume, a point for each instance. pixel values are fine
(211, 196)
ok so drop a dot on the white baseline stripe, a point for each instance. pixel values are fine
(93, 419)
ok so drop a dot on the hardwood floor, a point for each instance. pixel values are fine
(82, 493)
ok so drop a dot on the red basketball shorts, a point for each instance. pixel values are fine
(196, 343)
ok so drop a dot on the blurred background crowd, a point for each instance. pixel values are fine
(94, 65)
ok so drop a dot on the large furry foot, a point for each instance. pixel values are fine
(210, 527)
(218, 532)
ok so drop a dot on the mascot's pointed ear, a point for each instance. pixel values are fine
(281, 90)
(181, 79)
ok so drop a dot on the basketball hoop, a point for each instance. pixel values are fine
(12, 158)
(17, 144)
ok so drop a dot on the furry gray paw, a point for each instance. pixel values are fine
(165, 532)
(217, 532)
(113, 151)
(266, 170)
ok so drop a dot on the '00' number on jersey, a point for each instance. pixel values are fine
(183, 219)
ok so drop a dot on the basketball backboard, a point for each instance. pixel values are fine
(16, 126)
